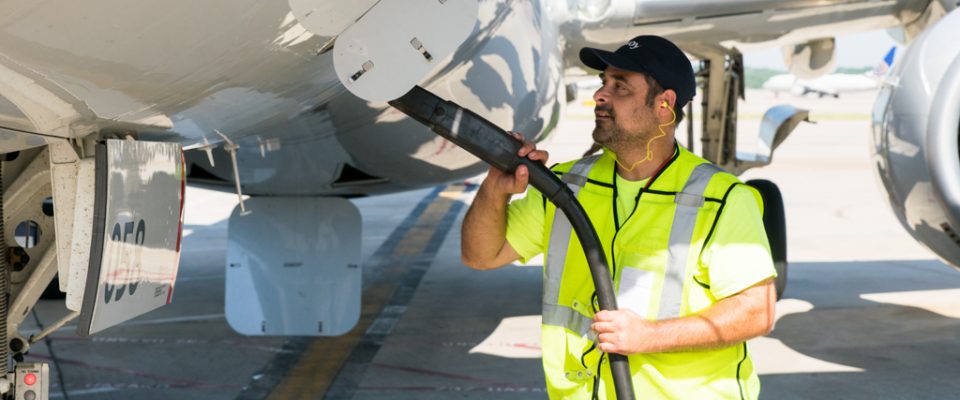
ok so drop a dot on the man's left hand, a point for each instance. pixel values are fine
(624, 332)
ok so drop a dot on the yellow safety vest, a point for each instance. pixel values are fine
(655, 274)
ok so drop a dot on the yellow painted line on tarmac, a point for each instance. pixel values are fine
(420, 234)
(315, 371)
(312, 375)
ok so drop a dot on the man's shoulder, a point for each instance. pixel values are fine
(721, 182)
(723, 185)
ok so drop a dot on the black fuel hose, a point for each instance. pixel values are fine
(496, 147)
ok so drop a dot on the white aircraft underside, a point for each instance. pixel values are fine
(258, 78)
(249, 70)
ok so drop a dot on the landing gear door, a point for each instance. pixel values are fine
(137, 224)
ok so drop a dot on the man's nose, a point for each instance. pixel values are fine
(600, 96)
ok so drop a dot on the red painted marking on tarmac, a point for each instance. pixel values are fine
(165, 341)
(443, 147)
(488, 389)
(445, 375)
(531, 346)
(400, 388)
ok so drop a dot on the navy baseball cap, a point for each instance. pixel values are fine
(651, 55)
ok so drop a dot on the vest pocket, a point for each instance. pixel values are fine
(640, 276)
(636, 286)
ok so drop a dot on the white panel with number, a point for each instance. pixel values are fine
(138, 217)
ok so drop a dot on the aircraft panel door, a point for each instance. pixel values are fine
(293, 267)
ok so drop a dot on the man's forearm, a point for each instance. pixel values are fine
(735, 319)
(484, 229)
(730, 321)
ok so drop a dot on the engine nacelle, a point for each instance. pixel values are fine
(812, 59)
(916, 130)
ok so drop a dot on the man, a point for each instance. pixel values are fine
(685, 241)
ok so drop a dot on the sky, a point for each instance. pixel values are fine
(858, 50)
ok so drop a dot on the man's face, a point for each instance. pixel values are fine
(622, 114)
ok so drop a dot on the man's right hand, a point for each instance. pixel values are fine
(501, 182)
(483, 242)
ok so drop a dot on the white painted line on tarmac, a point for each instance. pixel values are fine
(84, 392)
(172, 320)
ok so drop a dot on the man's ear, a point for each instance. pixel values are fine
(668, 96)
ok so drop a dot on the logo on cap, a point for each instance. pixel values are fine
(633, 44)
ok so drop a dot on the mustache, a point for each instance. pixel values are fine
(606, 109)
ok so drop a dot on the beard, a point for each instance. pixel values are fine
(609, 132)
(606, 128)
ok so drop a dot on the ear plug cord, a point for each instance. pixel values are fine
(649, 154)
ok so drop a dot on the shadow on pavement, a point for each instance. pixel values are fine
(906, 350)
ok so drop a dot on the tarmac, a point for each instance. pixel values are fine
(868, 313)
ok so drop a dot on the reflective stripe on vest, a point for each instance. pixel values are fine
(553, 313)
(689, 201)
(566, 317)
(576, 178)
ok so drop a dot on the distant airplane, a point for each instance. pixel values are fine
(831, 84)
